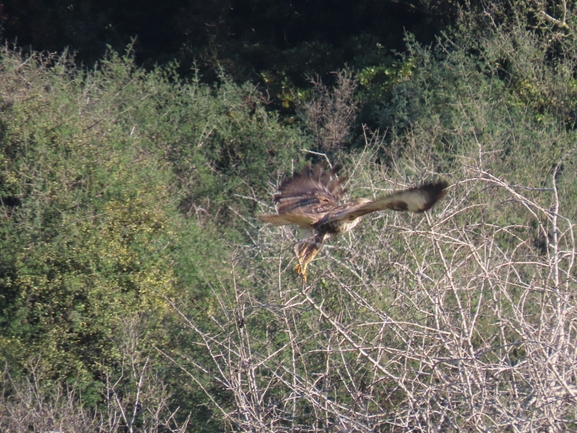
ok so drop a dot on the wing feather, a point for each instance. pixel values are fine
(311, 191)
(417, 199)
(288, 218)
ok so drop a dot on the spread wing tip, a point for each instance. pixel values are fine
(417, 199)
(432, 193)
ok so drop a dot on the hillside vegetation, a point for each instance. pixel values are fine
(138, 292)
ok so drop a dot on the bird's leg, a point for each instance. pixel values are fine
(301, 251)
(302, 271)
(306, 250)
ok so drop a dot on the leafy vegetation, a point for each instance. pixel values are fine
(138, 293)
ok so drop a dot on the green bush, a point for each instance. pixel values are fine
(87, 214)
(119, 190)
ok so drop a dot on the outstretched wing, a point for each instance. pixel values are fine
(417, 199)
(287, 218)
(307, 196)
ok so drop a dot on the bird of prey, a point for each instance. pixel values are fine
(310, 199)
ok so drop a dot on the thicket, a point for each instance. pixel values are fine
(138, 292)
(117, 194)
(457, 320)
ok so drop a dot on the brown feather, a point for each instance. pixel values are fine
(417, 199)
(288, 218)
(312, 191)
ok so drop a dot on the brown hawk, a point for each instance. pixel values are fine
(310, 199)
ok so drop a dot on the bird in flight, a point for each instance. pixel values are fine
(310, 200)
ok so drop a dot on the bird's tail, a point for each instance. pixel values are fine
(306, 250)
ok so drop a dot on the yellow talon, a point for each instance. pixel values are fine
(301, 271)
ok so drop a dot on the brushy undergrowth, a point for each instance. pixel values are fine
(137, 292)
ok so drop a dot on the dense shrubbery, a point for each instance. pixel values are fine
(138, 294)
(112, 182)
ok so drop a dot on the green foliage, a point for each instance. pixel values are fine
(220, 142)
(132, 272)
(469, 90)
(82, 238)
(99, 172)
